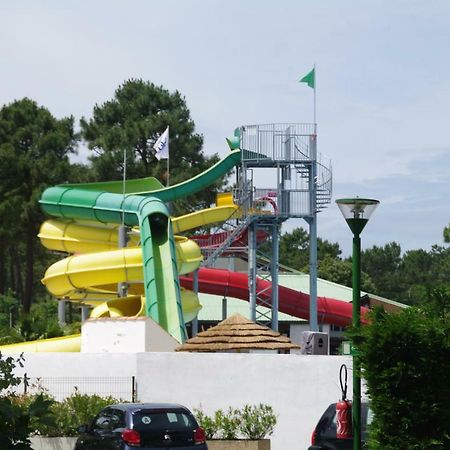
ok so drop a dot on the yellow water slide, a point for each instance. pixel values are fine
(91, 274)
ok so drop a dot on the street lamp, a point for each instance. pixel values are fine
(356, 212)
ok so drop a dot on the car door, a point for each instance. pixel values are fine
(326, 432)
(104, 432)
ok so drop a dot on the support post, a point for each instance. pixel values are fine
(274, 275)
(122, 287)
(252, 269)
(312, 221)
(62, 312)
(85, 312)
(194, 323)
(356, 316)
(313, 322)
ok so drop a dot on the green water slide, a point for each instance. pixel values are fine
(142, 205)
(152, 186)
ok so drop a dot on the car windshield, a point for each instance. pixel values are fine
(167, 420)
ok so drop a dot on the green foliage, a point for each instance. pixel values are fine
(340, 272)
(209, 424)
(9, 309)
(19, 418)
(133, 120)
(34, 149)
(257, 422)
(41, 323)
(227, 423)
(76, 410)
(446, 234)
(382, 265)
(294, 249)
(250, 422)
(406, 362)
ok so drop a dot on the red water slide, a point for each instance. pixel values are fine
(235, 284)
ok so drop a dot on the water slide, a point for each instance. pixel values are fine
(87, 220)
(88, 217)
(142, 206)
(235, 284)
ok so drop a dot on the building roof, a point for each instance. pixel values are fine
(237, 333)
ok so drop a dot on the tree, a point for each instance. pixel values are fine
(421, 270)
(34, 149)
(18, 418)
(406, 360)
(382, 264)
(294, 249)
(340, 272)
(132, 121)
(447, 234)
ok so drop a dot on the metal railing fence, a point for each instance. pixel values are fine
(120, 388)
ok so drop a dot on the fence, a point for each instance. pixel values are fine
(121, 388)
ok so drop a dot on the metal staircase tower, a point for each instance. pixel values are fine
(296, 183)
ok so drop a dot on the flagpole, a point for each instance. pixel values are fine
(315, 84)
(124, 179)
(168, 159)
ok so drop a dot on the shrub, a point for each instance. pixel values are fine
(406, 362)
(257, 422)
(19, 416)
(209, 424)
(227, 423)
(250, 422)
(76, 410)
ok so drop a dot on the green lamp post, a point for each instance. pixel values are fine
(356, 212)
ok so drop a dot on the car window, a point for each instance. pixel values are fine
(147, 420)
(117, 418)
(103, 420)
(110, 419)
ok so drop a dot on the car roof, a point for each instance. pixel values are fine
(134, 407)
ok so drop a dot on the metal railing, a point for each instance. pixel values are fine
(120, 388)
(276, 142)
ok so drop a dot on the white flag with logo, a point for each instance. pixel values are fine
(162, 146)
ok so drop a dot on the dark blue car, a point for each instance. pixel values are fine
(324, 435)
(152, 426)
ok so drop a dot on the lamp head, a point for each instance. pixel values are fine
(357, 211)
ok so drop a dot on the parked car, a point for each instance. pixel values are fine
(144, 426)
(324, 435)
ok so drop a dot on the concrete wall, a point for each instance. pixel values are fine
(125, 335)
(298, 387)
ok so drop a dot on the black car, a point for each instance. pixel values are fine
(324, 435)
(144, 426)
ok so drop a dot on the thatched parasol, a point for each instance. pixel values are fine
(239, 334)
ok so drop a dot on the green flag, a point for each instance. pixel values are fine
(310, 79)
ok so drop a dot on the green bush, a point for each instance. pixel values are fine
(227, 423)
(250, 422)
(406, 362)
(76, 410)
(257, 422)
(209, 424)
(19, 416)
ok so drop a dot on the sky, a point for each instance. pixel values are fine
(383, 85)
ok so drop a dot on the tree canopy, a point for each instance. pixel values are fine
(385, 271)
(34, 149)
(132, 121)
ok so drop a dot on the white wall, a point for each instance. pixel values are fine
(298, 387)
(125, 335)
(78, 365)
